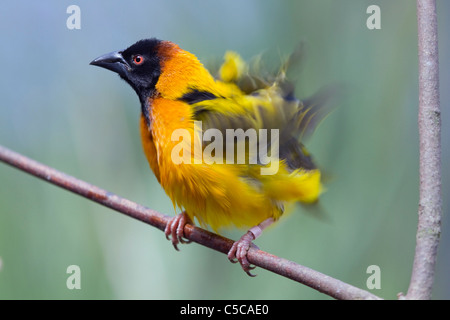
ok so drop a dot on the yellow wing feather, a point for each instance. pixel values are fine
(222, 195)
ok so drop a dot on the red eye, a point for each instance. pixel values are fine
(138, 59)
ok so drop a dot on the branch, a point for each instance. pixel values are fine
(314, 279)
(430, 201)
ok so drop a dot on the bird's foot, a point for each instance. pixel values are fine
(175, 229)
(239, 250)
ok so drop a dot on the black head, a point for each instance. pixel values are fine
(139, 65)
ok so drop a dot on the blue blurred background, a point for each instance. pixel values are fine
(82, 120)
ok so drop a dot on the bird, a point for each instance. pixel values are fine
(181, 101)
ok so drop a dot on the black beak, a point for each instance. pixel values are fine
(113, 61)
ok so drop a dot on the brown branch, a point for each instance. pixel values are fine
(429, 121)
(314, 279)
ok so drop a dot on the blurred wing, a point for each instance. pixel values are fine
(265, 109)
(266, 101)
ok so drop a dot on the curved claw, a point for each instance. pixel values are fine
(239, 250)
(174, 230)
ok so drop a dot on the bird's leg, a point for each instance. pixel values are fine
(238, 252)
(175, 228)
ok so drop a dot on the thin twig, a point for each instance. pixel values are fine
(314, 279)
(429, 121)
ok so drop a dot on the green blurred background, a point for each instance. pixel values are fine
(82, 120)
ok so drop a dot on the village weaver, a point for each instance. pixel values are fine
(176, 92)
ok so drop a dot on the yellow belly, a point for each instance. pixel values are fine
(223, 195)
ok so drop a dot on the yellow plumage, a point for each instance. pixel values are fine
(242, 179)
(221, 195)
(232, 67)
